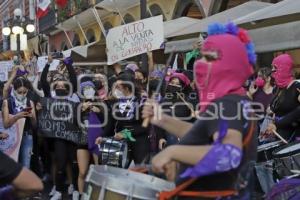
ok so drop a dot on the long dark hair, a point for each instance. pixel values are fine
(21, 82)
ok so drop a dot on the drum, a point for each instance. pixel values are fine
(287, 158)
(264, 151)
(113, 152)
(110, 183)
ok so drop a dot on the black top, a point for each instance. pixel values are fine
(286, 107)
(45, 85)
(202, 134)
(85, 117)
(9, 169)
(130, 119)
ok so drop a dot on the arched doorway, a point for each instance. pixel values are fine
(90, 35)
(76, 40)
(128, 18)
(156, 10)
(188, 8)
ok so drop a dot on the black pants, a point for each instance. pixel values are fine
(140, 150)
(64, 152)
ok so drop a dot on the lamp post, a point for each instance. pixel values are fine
(16, 28)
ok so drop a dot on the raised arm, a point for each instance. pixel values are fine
(35, 87)
(9, 82)
(150, 62)
(72, 74)
(44, 83)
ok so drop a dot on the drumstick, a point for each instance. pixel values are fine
(187, 104)
(158, 88)
(279, 136)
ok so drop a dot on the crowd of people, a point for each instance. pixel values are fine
(210, 119)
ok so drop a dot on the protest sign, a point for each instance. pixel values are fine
(134, 39)
(5, 67)
(42, 61)
(57, 119)
(11, 145)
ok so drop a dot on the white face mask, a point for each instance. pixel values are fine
(118, 94)
(89, 93)
(20, 97)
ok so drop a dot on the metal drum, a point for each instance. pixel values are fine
(110, 183)
(113, 152)
(287, 158)
(264, 151)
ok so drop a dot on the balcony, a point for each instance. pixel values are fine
(73, 8)
(47, 22)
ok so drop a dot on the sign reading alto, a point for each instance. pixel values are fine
(134, 39)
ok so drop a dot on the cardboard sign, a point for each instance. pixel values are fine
(57, 119)
(11, 145)
(134, 39)
(42, 61)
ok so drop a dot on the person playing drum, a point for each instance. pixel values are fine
(286, 103)
(217, 149)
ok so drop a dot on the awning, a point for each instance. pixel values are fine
(180, 45)
(282, 12)
(175, 26)
(91, 54)
(276, 38)
(222, 17)
(104, 8)
(81, 50)
(273, 38)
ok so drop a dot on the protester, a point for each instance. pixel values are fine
(64, 151)
(16, 107)
(286, 104)
(123, 115)
(261, 90)
(17, 181)
(90, 109)
(176, 104)
(204, 144)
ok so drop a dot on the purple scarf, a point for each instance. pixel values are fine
(94, 132)
(285, 189)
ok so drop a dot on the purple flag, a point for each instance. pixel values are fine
(94, 131)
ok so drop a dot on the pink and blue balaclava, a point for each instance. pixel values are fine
(232, 67)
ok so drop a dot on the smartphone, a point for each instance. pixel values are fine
(28, 109)
(57, 55)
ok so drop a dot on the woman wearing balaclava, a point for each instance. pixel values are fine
(217, 148)
(286, 103)
(124, 120)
